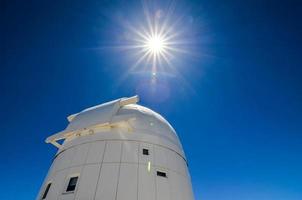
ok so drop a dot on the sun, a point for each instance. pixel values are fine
(155, 44)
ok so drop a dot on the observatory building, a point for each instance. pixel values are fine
(117, 151)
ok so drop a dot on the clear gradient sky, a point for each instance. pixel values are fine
(236, 102)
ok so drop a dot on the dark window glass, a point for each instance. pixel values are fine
(162, 174)
(72, 184)
(46, 190)
(146, 151)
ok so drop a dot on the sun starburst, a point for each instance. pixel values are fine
(155, 42)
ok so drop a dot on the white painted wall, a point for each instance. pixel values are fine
(111, 164)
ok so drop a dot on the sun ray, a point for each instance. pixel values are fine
(170, 11)
(148, 17)
(157, 43)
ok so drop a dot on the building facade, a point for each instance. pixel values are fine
(117, 151)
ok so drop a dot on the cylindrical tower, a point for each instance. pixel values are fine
(117, 151)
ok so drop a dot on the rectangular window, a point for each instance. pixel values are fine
(145, 151)
(72, 184)
(46, 190)
(162, 174)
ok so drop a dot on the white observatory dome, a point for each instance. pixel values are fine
(117, 151)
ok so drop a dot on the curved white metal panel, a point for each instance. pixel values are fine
(139, 158)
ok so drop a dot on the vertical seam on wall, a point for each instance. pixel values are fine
(168, 171)
(67, 174)
(83, 166)
(119, 170)
(154, 173)
(99, 176)
(137, 182)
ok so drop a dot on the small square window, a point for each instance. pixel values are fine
(145, 151)
(46, 191)
(162, 174)
(72, 184)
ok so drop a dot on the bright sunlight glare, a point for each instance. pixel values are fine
(158, 41)
(155, 44)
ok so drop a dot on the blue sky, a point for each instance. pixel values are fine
(236, 101)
